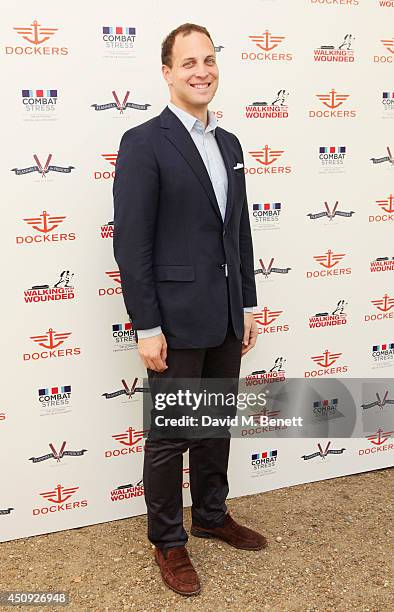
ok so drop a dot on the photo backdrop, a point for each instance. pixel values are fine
(308, 88)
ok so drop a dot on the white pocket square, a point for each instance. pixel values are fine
(238, 166)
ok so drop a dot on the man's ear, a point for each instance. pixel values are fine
(166, 71)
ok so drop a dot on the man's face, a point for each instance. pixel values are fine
(194, 76)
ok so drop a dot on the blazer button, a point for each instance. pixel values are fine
(223, 265)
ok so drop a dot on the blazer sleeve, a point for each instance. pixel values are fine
(249, 293)
(136, 198)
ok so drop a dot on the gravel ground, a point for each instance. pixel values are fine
(330, 548)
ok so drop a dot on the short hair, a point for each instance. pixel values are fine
(168, 42)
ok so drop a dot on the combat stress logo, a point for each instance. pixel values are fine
(117, 290)
(270, 48)
(388, 102)
(119, 41)
(57, 500)
(120, 104)
(383, 355)
(380, 442)
(124, 336)
(332, 100)
(336, 317)
(264, 462)
(43, 168)
(266, 215)
(330, 213)
(39, 104)
(63, 289)
(329, 261)
(106, 174)
(131, 442)
(266, 159)
(266, 321)
(326, 362)
(385, 308)
(332, 158)
(332, 53)
(50, 341)
(382, 264)
(323, 452)
(58, 454)
(387, 207)
(54, 400)
(36, 35)
(388, 58)
(277, 109)
(44, 226)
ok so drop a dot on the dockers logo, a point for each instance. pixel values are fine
(385, 306)
(54, 400)
(4, 511)
(107, 230)
(325, 408)
(58, 498)
(331, 213)
(331, 53)
(381, 402)
(387, 158)
(44, 224)
(388, 58)
(383, 354)
(387, 206)
(388, 101)
(332, 101)
(106, 174)
(265, 319)
(328, 261)
(277, 109)
(42, 168)
(130, 443)
(127, 491)
(51, 340)
(115, 276)
(275, 374)
(121, 106)
(382, 264)
(266, 271)
(326, 362)
(36, 35)
(330, 319)
(267, 159)
(257, 428)
(332, 158)
(336, 2)
(266, 215)
(39, 103)
(58, 454)
(323, 452)
(63, 289)
(124, 336)
(380, 441)
(129, 392)
(264, 462)
(267, 42)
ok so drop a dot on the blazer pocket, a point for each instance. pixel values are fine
(174, 273)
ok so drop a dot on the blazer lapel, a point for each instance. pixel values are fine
(229, 163)
(183, 142)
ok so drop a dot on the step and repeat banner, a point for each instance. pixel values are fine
(308, 87)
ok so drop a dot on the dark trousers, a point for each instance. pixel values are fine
(208, 457)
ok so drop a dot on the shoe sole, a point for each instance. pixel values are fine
(190, 593)
(200, 534)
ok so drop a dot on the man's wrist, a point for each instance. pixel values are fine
(149, 333)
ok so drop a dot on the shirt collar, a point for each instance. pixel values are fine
(190, 122)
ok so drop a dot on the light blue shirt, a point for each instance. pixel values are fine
(205, 141)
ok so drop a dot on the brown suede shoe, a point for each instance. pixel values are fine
(177, 570)
(233, 533)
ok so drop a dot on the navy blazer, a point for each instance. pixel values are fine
(170, 241)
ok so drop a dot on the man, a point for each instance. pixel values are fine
(183, 244)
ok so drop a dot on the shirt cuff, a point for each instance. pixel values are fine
(249, 308)
(148, 333)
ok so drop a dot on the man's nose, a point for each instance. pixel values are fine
(201, 71)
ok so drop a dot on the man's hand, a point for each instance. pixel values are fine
(153, 352)
(250, 333)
